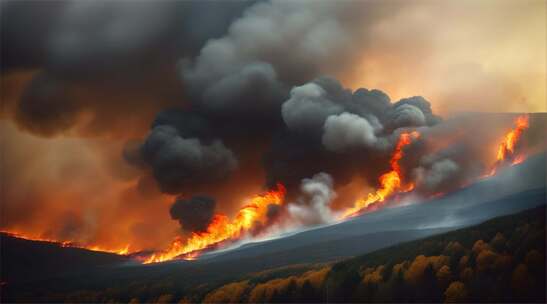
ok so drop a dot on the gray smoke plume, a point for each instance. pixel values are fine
(436, 176)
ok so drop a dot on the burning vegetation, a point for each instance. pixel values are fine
(507, 150)
(222, 229)
(210, 231)
(391, 182)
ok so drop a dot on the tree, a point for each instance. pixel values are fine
(455, 293)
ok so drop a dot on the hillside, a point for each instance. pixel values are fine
(501, 260)
(23, 260)
(38, 270)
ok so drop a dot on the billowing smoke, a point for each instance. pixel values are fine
(91, 60)
(307, 108)
(313, 206)
(193, 214)
(347, 131)
(180, 162)
(436, 176)
(326, 124)
(273, 46)
(239, 101)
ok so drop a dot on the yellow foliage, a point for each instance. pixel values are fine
(401, 267)
(455, 293)
(263, 292)
(479, 246)
(229, 293)
(416, 270)
(463, 261)
(373, 276)
(315, 277)
(165, 298)
(444, 274)
(184, 300)
(486, 260)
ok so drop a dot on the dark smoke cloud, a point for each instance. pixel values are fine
(193, 214)
(46, 106)
(103, 57)
(85, 38)
(414, 117)
(274, 46)
(307, 109)
(178, 162)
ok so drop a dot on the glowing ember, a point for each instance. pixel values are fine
(120, 251)
(390, 182)
(222, 229)
(507, 148)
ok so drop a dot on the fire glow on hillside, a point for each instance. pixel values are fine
(507, 150)
(221, 231)
(391, 182)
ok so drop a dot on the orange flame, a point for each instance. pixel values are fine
(506, 149)
(120, 251)
(221, 229)
(390, 182)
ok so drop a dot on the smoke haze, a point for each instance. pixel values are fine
(121, 119)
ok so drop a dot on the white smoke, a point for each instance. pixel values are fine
(347, 131)
(313, 206)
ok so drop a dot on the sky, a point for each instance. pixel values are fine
(112, 110)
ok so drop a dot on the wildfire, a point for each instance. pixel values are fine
(391, 182)
(507, 147)
(120, 251)
(221, 228)
(253, 214)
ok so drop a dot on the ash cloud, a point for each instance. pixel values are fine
(193, 214)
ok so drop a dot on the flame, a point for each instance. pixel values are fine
(507, 148)
(390, 182)
(121, 251)
(221, 228)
